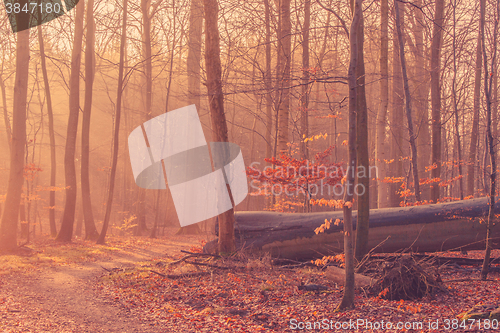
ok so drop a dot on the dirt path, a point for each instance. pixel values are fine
(65, 298)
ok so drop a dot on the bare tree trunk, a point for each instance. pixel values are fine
(474, 136)
(348, 296)
(363, 159)
(116, 145)
(79, 222)
(194, 78)
(193, 96)
(147, 53)
(216, 102)
(283, 73)
(90, 229)
(68, 218)
(194, 52)
(268, 82)
(381, 141)
(411, 134)
(422, 101)
(304, 98)
(397, 115)
(488, 83)
(148, 76)
(437, 39)
(6, 119)
(8, 227)
(455, 103)
(53, 163)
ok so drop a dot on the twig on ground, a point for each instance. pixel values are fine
(208, 265)
(183, 275)
(201, 254)
(180, 260)
(466, 280)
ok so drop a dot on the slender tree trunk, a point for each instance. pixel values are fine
(397, 116)
(8, 226)
(488, 83)
(422, 101)
(68, 218)
(381, 141)
(216, 102)
(474, 136)
(6, 119)
(411, 135)
(283, 69)
(79, 223)
(147, 53)
(437, 39)
(148, 101)
(194, 52)
(116, 138)
(363, 159)
(193, 70)
(53, 163)
(90, 229)
(348, 296)
(304, 98)
(268, 82)
(455, 103)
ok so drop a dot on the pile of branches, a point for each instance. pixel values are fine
(403, 277)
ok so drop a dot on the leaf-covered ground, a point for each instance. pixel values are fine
(254, 296)
(124, 287)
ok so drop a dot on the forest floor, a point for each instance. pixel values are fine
(143, 285)
(52, 287)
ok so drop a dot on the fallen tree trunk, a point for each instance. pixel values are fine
(457, 225)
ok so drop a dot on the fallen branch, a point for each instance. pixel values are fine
(304, 264)
(365, 259)
(201, 254)
(438, 260)
(183, 275)
(180, 260)
(466, 279)
(207, 265)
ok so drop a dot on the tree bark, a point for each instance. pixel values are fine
(6, 119)
(8, 227)
(116, 138)
(474, 136)
(426, 228)
(268, 81)
(90, 229)
(194, 52)
(304, 98)
(488, 84)
(147, 53)
(455, 104)
(397, 115)
(283, 73)
(363, 159)
(348, 296)
(437, 39)
(413, 146)
(421, 101)
(53, 163)
(217, 115)
(68, 218)
(148, 99)
(381, 141)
